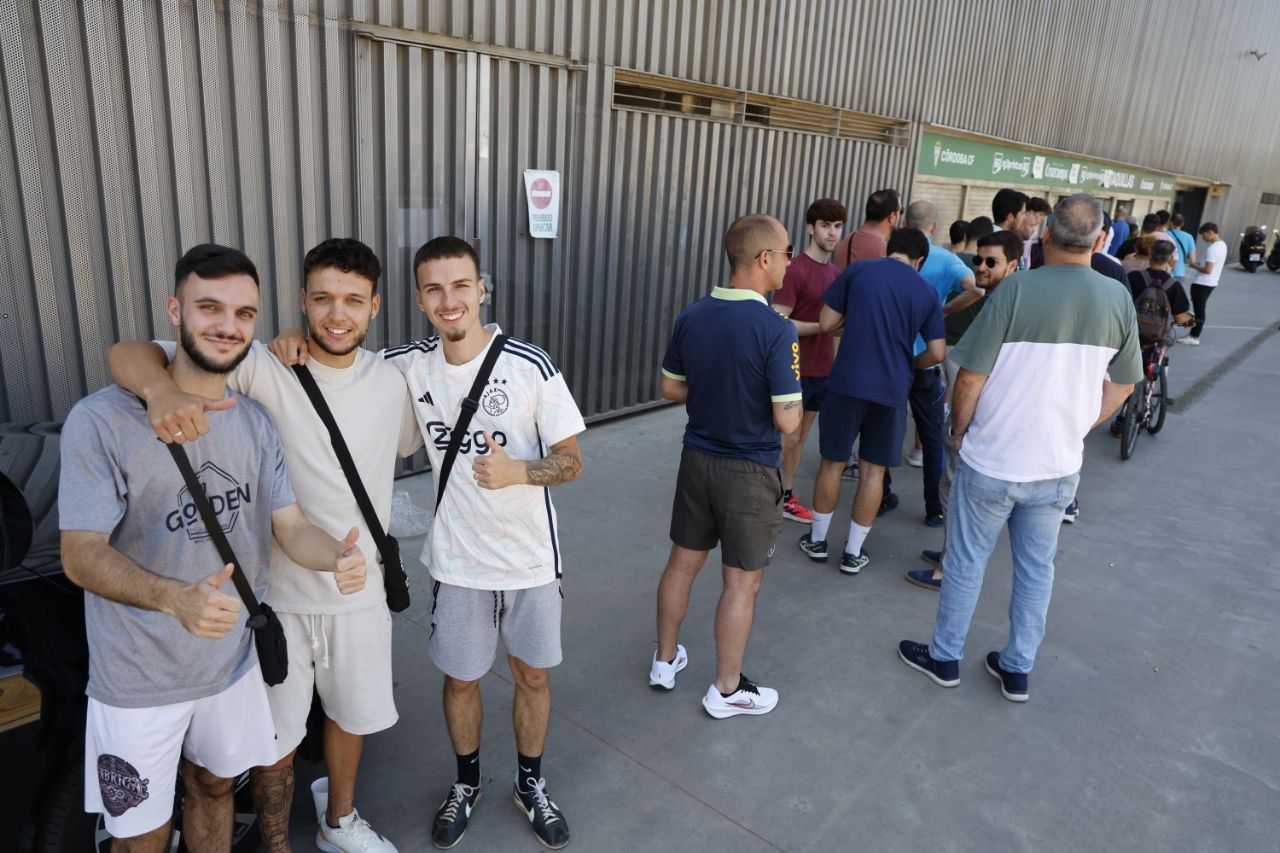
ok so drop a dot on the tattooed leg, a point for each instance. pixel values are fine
(273, 795)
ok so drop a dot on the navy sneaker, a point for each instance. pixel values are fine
(1013, 685)
(935, 519)
(816, 551)
(916, 655)
(851, 564)
(1071, 513)
(888, 504)
(850, 472)
(545, 817)
(933, 558)
(454, 814)
(925, 578)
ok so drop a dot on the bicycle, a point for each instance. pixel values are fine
(1149, 402)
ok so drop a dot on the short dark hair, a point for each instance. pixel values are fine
(209, 260)
(1161, 252)
(1209, 226)
(1010, 242)
(959, 231)
(345, 254)
(439, 248)
(826, 210)
(1150, 222)
(882, 204)
(1177, 220)
(1007, 202)
(1163, 216)
(980, 227)
(911, 242)
(746, 238)
(1035, 204)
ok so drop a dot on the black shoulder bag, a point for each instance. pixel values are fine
(394, 578)
(470, 404)
(268, 633)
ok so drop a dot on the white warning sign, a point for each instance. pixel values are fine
(542, 190)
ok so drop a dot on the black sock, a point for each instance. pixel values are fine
(786, 495)
(530, 771)
(469, 769)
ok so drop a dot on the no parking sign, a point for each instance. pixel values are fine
(542, 191)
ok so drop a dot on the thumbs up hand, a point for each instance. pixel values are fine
(348, 568)
(497, 470)
(203, 609)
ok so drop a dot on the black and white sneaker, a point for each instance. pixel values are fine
(544, 816)
(451, 819)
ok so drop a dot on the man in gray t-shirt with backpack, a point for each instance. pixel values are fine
(172, 671)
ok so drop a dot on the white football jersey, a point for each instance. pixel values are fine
(487, 538)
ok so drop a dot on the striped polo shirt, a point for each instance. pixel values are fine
(1046, 340)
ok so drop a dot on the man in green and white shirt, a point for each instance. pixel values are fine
(1052, 355)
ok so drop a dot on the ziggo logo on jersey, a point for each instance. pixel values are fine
(475, 440)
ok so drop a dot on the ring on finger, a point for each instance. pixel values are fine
(177, 433)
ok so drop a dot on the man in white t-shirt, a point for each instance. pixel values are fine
(493, 549)
(340, 644)
(1215, 258)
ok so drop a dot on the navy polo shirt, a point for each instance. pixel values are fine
(739, 358)
(885, 304)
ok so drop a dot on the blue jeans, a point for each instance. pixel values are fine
(979, 507)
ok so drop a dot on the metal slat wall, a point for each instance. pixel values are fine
(135, 128)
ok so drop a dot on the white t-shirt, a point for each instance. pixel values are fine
(374, 411)
(1217, 253)
(491, 538)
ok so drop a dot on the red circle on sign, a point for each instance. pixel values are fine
(540, 193)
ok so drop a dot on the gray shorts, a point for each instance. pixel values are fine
(465, 624)
(735, 502)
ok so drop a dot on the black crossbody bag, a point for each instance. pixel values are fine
(394, 578)
(268, 633)
(470, 404)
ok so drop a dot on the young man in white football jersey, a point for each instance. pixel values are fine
(493, 549)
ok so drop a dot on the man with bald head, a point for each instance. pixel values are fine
(735, 364)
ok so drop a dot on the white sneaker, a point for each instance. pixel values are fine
(353, 835)
(320, 794)
(749, 698)
(915, 458)
(663, 674)
(1189, 341)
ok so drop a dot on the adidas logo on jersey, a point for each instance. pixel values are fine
(426, 398)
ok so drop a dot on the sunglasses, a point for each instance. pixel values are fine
(990, 262)
(789, 251)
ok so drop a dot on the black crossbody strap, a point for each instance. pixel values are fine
(344, 458)
(469, 406)
(257, 618)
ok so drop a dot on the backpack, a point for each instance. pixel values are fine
(1154, 315)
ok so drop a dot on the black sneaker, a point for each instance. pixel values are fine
(451, 819)
(544, 816)
(888, 504)
(916, 655)
(816, 551)
(933, 558)
(1013, 685)
(935, 519)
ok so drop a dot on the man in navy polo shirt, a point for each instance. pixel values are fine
(879, 307)
(735, 364)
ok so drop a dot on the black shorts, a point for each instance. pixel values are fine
(734, 502)
(812, 390)
(879, 429)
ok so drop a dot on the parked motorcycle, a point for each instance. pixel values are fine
(1253, 245)
(1273, 259)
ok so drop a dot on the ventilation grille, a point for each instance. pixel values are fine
(633, 90)
(1270, 198)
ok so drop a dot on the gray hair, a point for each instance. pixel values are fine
(1076, 222)
(922, 215)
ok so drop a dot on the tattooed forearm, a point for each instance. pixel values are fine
(273, 795)
(555, 469)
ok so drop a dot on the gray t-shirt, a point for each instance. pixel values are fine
(118, 479)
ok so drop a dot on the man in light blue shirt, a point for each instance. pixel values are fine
(1185, 242)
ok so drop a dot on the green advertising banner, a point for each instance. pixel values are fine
(966, 159)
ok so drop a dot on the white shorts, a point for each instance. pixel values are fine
(131, 754)
(347, 657)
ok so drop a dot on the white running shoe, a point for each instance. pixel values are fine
(663, 674)
(1189, 341)
(749, 698)
(915, 458)
(353, 835)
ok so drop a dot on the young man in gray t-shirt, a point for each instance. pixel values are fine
(172, 670)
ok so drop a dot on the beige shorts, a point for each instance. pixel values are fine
(347, 658)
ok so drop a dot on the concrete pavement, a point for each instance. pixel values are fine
(1153, 716)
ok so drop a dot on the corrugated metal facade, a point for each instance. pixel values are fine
(133, 128)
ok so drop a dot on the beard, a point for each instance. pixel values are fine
(346, 347)
(453, 335)
(205, 362)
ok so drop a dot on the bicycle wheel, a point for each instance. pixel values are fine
(1156, 413)
(1132, 419)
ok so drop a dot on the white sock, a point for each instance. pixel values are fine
(857, 535)
(821, 524)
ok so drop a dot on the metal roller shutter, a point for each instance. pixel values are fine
(978, 202)
(947, 197)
